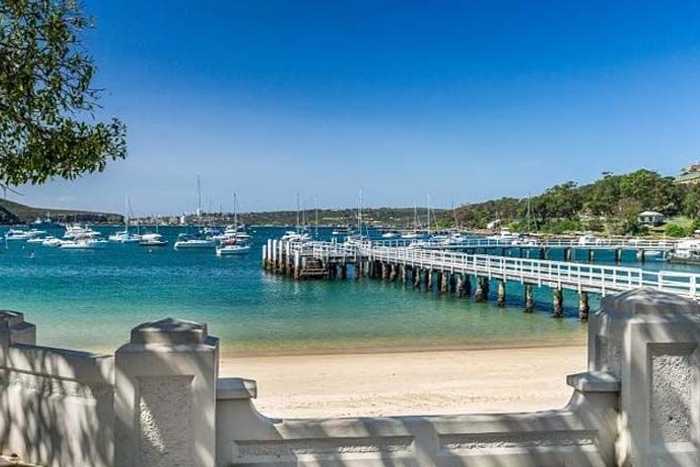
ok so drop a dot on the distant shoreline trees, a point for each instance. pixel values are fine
(610, 204)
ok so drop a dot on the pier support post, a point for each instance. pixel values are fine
(297, 266)
(404, 274)
(529, 298)
(618, 255)
(429, 280)
(568, 254)
(467, 285)
(385, 271)
(501, 299)
(444, 282)
(583, 307)
(641, 256)
(393, 272)
(343, 271)
(558, 303)
(591, 255)
(482, 289)
(542, 254)
(264, 257)
(417, 277)
(459, 285)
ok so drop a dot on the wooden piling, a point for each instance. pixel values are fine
(481, 294)
(529, 298)
(558, 303)
(583, 307)
(501, 298)
(444, 282)
(618, 255)
(641, 256)
(568, 254)
(416, 278)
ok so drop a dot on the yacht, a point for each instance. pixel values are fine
(16, 234)
(51, 241)
(389, 235)
(82, 244)
(185, 241)
(124, 236)
(505, 236)
(293, 236)
(36, 240)
(686, 251)
(77, 231)
(152, 239)
(232, 248)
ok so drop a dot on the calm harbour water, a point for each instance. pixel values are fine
(90, 299)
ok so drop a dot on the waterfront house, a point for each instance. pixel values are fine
(689, 175)
(652, 218)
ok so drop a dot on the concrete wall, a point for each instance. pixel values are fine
(159, 402)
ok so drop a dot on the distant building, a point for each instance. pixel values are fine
(689, 175)
(651, 218)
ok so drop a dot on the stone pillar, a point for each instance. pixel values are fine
(165, 396)
(649, 341)
(583, 307)
(15, 330)
(558, 303)
(501, 299)
(529, 298)
(386, 271)
(482, 289)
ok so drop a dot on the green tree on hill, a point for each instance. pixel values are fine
(47, 102)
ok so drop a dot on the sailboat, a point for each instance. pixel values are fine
(125, 236)
(234, 245)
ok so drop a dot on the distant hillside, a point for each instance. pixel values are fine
(394, 217)
(16, 213)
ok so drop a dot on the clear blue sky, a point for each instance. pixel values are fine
(463, 100)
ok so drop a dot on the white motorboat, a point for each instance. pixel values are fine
(292, 236)
(84, 244)
(52, 242)
(77, 231)
(124, 237)
(16, 234)
(232, 249)
(390, 234)
(186, 242)
(152, 239)
(505, 237)
(687, 251)
(36, 240)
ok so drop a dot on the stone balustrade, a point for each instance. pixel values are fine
(158, 401)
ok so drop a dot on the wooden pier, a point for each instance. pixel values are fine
(464, 274)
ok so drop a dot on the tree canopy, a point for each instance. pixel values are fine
(612, 203)
(47, 102)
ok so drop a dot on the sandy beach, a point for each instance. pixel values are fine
(403, 383)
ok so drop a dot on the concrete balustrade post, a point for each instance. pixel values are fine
(165, 396)
(650, 342)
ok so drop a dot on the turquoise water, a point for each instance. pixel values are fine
(90, 299)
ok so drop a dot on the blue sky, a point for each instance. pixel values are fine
(462, 100)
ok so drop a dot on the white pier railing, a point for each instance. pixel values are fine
(594, 278)
(603, 243)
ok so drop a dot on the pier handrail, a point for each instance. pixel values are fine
(639, 244)
(596, 278)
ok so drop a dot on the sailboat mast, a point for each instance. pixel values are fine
(427, 202)
(316, 209)
(298, 226)
(199, 196)
(235, 211)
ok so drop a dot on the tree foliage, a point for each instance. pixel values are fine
(47, 103)
(611, 203)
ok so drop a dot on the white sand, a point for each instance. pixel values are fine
(432, 382)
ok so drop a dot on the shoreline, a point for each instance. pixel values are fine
(577, 341)
(411, 383)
